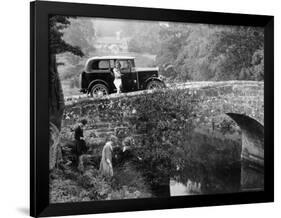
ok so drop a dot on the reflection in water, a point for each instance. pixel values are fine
(190, 188)
(208, 165)
(252, 177)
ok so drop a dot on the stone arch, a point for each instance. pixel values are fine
(252, 154)
(252, 137)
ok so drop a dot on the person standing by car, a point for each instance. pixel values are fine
(80, 144)
(117, 76)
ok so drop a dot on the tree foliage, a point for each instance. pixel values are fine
(145, 38)
(57, 44)
(80, 33)
(238, 53)
(188, 49)
(201, 51)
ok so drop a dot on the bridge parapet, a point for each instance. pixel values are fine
(210, 99)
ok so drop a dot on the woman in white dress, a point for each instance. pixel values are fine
(117, 76)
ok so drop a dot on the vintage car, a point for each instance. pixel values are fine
(97, 77)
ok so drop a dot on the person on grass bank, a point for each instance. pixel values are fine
(106, 168)
(80, 144)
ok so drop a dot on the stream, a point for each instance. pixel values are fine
(209, 164)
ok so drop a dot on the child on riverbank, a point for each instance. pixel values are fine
(106, 168)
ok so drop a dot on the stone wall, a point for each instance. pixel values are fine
(210, 101)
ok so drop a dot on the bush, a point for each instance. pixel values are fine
(95, 183)
(163, 117)
(64, 190)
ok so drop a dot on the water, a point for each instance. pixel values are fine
(188, 188)
(209, 164)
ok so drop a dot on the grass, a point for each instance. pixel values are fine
(69, 185)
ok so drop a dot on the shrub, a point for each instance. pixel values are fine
(62, 190)
(163, 117)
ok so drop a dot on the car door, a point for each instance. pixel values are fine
(128, 76)
(100, 70)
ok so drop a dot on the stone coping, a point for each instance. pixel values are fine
(71, 100)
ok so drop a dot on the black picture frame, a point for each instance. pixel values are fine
(39, 132)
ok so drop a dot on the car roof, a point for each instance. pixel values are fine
(110, 57)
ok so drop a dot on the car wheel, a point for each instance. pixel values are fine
(99, 90)
(155, 84)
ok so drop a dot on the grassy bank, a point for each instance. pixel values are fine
(69, 185)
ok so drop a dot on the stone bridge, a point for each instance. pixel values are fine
(242, 101)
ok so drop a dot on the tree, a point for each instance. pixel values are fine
(57, 45)
(145, 38)
(80, 33)
(234, 52)
(173, 38)
(209, 52)
(56, 100)
(192, 62)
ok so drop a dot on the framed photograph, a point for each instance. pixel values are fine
(142, 109)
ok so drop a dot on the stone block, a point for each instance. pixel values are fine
(211, 92)
(225, 90)
(100, 125)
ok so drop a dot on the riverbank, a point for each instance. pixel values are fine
(69, 185)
